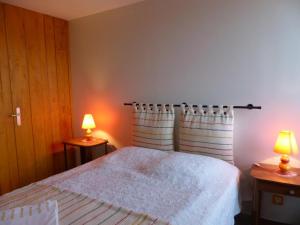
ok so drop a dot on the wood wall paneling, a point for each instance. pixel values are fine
(8, 157)
(62, 69)
(54, 93)
(39, 92)
(20, 92)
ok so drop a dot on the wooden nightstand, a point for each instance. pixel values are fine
(83, 145)
(265, 180)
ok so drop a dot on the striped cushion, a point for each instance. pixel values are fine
(153, 126)
(207, 131)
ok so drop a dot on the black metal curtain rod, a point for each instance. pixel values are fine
(249, 106)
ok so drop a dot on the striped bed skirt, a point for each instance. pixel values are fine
(74, 208)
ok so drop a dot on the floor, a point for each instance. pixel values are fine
(243, 220)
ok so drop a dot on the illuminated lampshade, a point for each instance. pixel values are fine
(286, 145)
(88, 124)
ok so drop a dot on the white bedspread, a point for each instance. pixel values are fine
(180, 188)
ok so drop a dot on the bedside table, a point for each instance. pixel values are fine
(265, 180)
(83, 146)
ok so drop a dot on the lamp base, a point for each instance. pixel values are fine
(88, 136)
(286, 174)
(87, 139)
(284, 167)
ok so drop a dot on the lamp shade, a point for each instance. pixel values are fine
(286, 143)
(88, 122)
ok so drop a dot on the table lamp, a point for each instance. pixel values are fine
(286, 145)
(88, 124)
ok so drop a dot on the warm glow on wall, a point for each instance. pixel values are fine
(109, 119)
(106, 136)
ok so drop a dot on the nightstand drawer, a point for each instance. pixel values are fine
(283, 189)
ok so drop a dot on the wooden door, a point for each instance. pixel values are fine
(19, 77)
(8, 163)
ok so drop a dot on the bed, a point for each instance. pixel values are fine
(135, 185)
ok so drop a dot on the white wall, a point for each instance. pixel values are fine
(197, 51)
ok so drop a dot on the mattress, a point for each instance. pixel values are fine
(139, 186)
(178, 188)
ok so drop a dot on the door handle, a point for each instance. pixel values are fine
(17, 116)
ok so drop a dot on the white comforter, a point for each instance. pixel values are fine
(180, 188)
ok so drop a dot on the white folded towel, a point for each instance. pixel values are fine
(45, 213)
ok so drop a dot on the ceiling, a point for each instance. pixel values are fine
(70, 9)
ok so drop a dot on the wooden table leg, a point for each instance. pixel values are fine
(82, 155)
(105, 148)
(65, 154)
(256, 203)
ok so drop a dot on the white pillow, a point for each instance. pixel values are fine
(45, 213)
